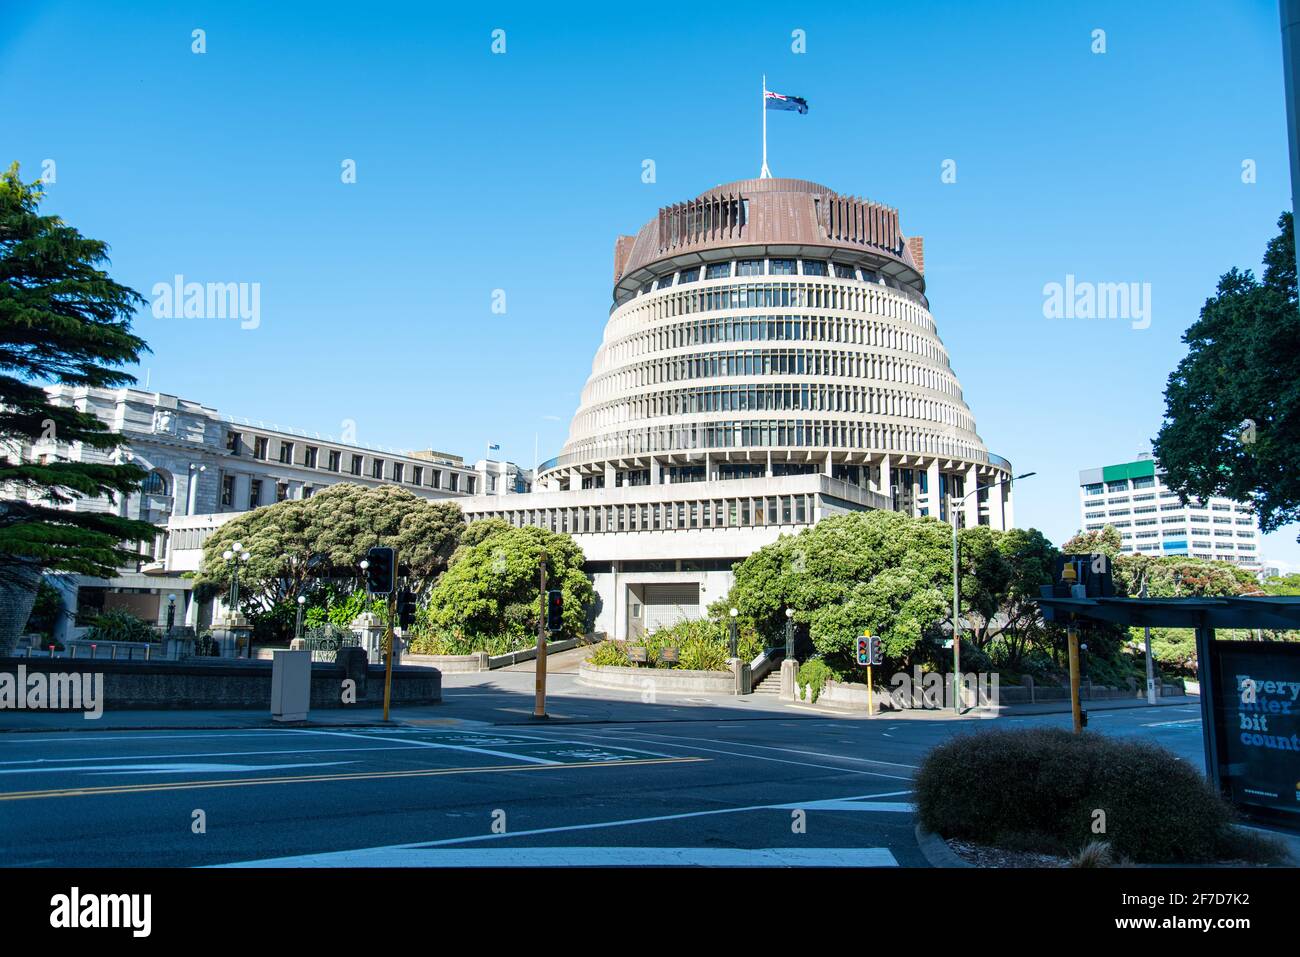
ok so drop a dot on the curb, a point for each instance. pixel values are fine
(935, 849)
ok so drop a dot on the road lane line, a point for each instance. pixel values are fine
(591, 826)
(199, 754)
(764, 757)
(598, 856)
(325, 778)
(450, 747)
(768, 747)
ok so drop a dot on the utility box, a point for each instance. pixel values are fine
(290, 685)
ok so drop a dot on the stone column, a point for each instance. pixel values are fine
(997, 514)
(972, 497)
(230, 633)
(370, 633)
(886, 478)
(789, 671)
(932, 480)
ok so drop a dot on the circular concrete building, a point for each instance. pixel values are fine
(769, 359)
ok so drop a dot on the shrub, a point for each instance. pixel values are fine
(609, 653)
(1039, 789)
(813, 674)
(117, 624)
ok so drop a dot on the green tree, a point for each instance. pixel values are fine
(62, 320)
(489, 594)
(1001, 574)
(881, 571)
(1284, 585)
(1232, 406)
(297, 544)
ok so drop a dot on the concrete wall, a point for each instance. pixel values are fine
(660, 680)
(195, 686)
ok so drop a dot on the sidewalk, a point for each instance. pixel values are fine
(567, 704)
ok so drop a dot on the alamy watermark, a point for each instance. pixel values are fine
(179, 299)
(1081, 299)
(53, 691)
(934, 691)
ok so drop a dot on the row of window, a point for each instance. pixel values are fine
(778, 328)
(811, 397)
(380, 469)
(267, 491)
(667, 516)
(875, 301)
(770, 267)
(758, 362)
(786, 433)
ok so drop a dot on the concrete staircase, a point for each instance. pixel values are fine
(771, 685)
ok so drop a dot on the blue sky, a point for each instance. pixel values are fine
(478, 172)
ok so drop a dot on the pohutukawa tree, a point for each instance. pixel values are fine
(63, 320)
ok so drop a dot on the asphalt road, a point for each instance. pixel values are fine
(611, 780)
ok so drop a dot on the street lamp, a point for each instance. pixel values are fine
(955, 509)
(365, 565)
(235, 556)
(171, 613)
(734, 612)
(297, 628)
(789, 634)
(1151, 674)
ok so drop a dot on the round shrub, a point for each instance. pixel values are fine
(1039, 789)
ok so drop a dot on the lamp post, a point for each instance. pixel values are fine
(235, 556)
(171, 613)
(734, 612)
(789, 634)
(956, 588)
(297, 627)
(1151, 671)
(365, 565)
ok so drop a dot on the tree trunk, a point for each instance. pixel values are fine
(18, 585)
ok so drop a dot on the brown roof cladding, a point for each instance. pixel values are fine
(767, 212)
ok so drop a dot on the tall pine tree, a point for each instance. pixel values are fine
(62, 320)
(1232, 407)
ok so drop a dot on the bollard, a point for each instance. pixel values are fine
(147, 650)
(72, 651)
(114, 654)
(51, 651)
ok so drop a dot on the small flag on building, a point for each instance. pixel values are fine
(778, 101)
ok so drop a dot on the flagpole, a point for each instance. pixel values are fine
(765, 173)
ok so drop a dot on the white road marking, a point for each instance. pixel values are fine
(527, 759)
(590, 857)
(595, 825)
(763, 757)
(818, 754)
(204, 754)
(899, 806)
(181, 767)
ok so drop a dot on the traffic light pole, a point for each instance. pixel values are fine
(539, 705)
(1076, 709)
(389, 640)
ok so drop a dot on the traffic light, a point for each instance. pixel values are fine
(381, 573)
(554, 610)
(405, 609)
(864, 649)
(877, 651)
